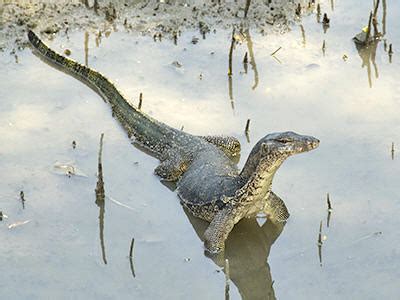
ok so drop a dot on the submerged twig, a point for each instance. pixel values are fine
(119, 203)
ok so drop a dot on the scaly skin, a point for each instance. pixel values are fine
(209, 182)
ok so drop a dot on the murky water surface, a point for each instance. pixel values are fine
(74, 248)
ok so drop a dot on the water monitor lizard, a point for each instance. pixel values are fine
(209, 183)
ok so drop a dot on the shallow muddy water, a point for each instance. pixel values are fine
(75, 248)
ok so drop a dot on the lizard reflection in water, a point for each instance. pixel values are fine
(247, 249)
(209, 183)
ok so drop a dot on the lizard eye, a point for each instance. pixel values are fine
(283, 140)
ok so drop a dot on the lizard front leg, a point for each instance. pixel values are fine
(218, 230)
(275, 208)
(172, 168)
(229, 144)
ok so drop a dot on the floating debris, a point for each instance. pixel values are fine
(364, 37)
(67, 52)
(73, 144)
(68, 169)
(3, 216)
(120, 203)
(176, 64)
(323, 47)
(345, 57)
(195, 40)
(17, 224)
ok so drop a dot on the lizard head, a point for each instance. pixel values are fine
(286, 144)
(270, 152)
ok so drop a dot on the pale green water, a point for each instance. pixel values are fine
(58, 254)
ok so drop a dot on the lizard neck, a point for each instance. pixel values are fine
(258, 173)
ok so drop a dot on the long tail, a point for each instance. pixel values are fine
(149, 132)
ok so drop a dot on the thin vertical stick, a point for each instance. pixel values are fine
(131, 257)
(246, 9)
(227, 279)
(392, 151)
(247, 130)
(230, 72)
(328, 202)
(320, 244)
(140, 101)
(368, 29)
(86, 48)
(328, 218)
(22, 197)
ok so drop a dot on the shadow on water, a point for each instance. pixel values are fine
(247, 249)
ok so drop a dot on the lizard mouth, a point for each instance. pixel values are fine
(312, 143)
